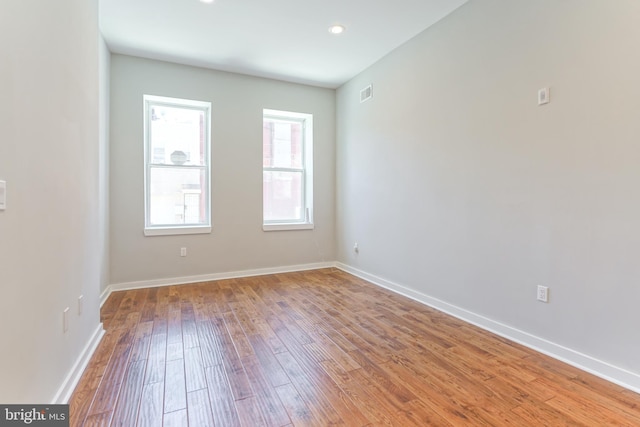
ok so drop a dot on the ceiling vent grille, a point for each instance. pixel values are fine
(366, 93)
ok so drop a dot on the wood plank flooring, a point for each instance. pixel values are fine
(321, 348)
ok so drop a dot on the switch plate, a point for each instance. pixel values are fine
(65, 320)
(3, 195)
(543, 96)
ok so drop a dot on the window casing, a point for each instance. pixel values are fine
(177, 156)
(287, 170)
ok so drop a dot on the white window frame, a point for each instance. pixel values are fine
(174, 229)
(306, 222)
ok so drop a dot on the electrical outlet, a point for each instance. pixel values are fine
(543, 293)
(183, 251)
(356, 249)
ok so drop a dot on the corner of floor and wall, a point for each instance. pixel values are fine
(585, 362)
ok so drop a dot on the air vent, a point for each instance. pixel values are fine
(366, 93)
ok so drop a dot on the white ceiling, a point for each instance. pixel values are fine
(282, 39)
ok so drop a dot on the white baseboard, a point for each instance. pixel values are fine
(614, 374)
(73, 377)
(209, 277)
(104, 295)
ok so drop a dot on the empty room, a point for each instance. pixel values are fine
(285, 213)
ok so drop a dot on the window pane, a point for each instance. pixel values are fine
(282, 144)
(177, 136)
(282, 196)
(177, 196)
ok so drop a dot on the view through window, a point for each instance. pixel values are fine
(287, 168)
(177, 157)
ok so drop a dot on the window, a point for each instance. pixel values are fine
(287, 174)
(177, 145)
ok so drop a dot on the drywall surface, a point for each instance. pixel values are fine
(49, 158)
(237, 241)
(103, 161)
(457, 185)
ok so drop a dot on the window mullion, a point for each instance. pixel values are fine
(164, 165)
(292, 170)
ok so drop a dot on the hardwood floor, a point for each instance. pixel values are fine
(321, 348)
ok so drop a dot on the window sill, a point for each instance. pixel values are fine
(172, 231)
(286, 227)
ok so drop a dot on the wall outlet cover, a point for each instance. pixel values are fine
(3, 195)
(543, 294)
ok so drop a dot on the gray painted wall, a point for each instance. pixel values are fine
(103, 162)
(49, 254)
(237, 242)
(457, 185)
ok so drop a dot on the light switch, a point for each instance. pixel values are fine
(543, 96)
(3, 195)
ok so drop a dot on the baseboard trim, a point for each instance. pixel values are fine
(104, 295)
(209, 277)
(73, 377)
(614, 374)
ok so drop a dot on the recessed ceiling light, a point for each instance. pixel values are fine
(336, 29)
(206, 1)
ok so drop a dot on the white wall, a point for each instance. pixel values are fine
(49, 158)
(459, 187)
(237, 242)
(104, 64)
